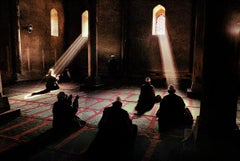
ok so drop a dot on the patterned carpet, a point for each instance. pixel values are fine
(36, 118)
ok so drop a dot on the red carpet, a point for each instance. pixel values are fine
(36, 119)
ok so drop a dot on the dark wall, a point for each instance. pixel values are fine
(125, 30)
(24, 55)
(180, 31)
(73, 25)
(39, 50)
(142, 48)
(73, 18)
(109, 33)
(7, 40)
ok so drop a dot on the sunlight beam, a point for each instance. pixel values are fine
(69, 54)
(167, 58)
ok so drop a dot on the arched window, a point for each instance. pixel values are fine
(54, 22)
(85, 24)
(158, 23)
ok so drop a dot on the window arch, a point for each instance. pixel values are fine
(54, 22)
(158, 23)
(85, 24)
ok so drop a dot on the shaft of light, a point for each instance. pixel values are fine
(69, 54)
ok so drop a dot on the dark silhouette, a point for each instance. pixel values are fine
(51, 83)
(115, 137)
(172, 112)
(147, 97)
(64, 113)
(65, 75)
(51, 80)
(113, 67)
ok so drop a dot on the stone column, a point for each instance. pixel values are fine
(1, 89)
(92, 37)
(93, 80)
(4, 104)
(198, 40)
(218, 107)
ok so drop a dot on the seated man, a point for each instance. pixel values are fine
(51, 83)
(172, 111)
(64, 113)
(51, 80)
(147, 97)
(116, 135)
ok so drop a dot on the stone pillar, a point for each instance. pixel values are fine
(4, 104)
(93, 80)
(217, 119)
(196, 86)
(1, 89)
(92, 37)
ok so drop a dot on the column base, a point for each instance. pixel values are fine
(204, 135)
(91, 83)
(4, 104)
(193, 94)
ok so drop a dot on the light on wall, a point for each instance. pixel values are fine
(29, 28)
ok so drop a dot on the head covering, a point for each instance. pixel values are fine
(118, 102)
(118, 99)
(50, 71)
(148, 79)
(61, 96)
(171, 89)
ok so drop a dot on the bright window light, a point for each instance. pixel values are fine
(158, 23)
(54, 22)
(85, 24)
